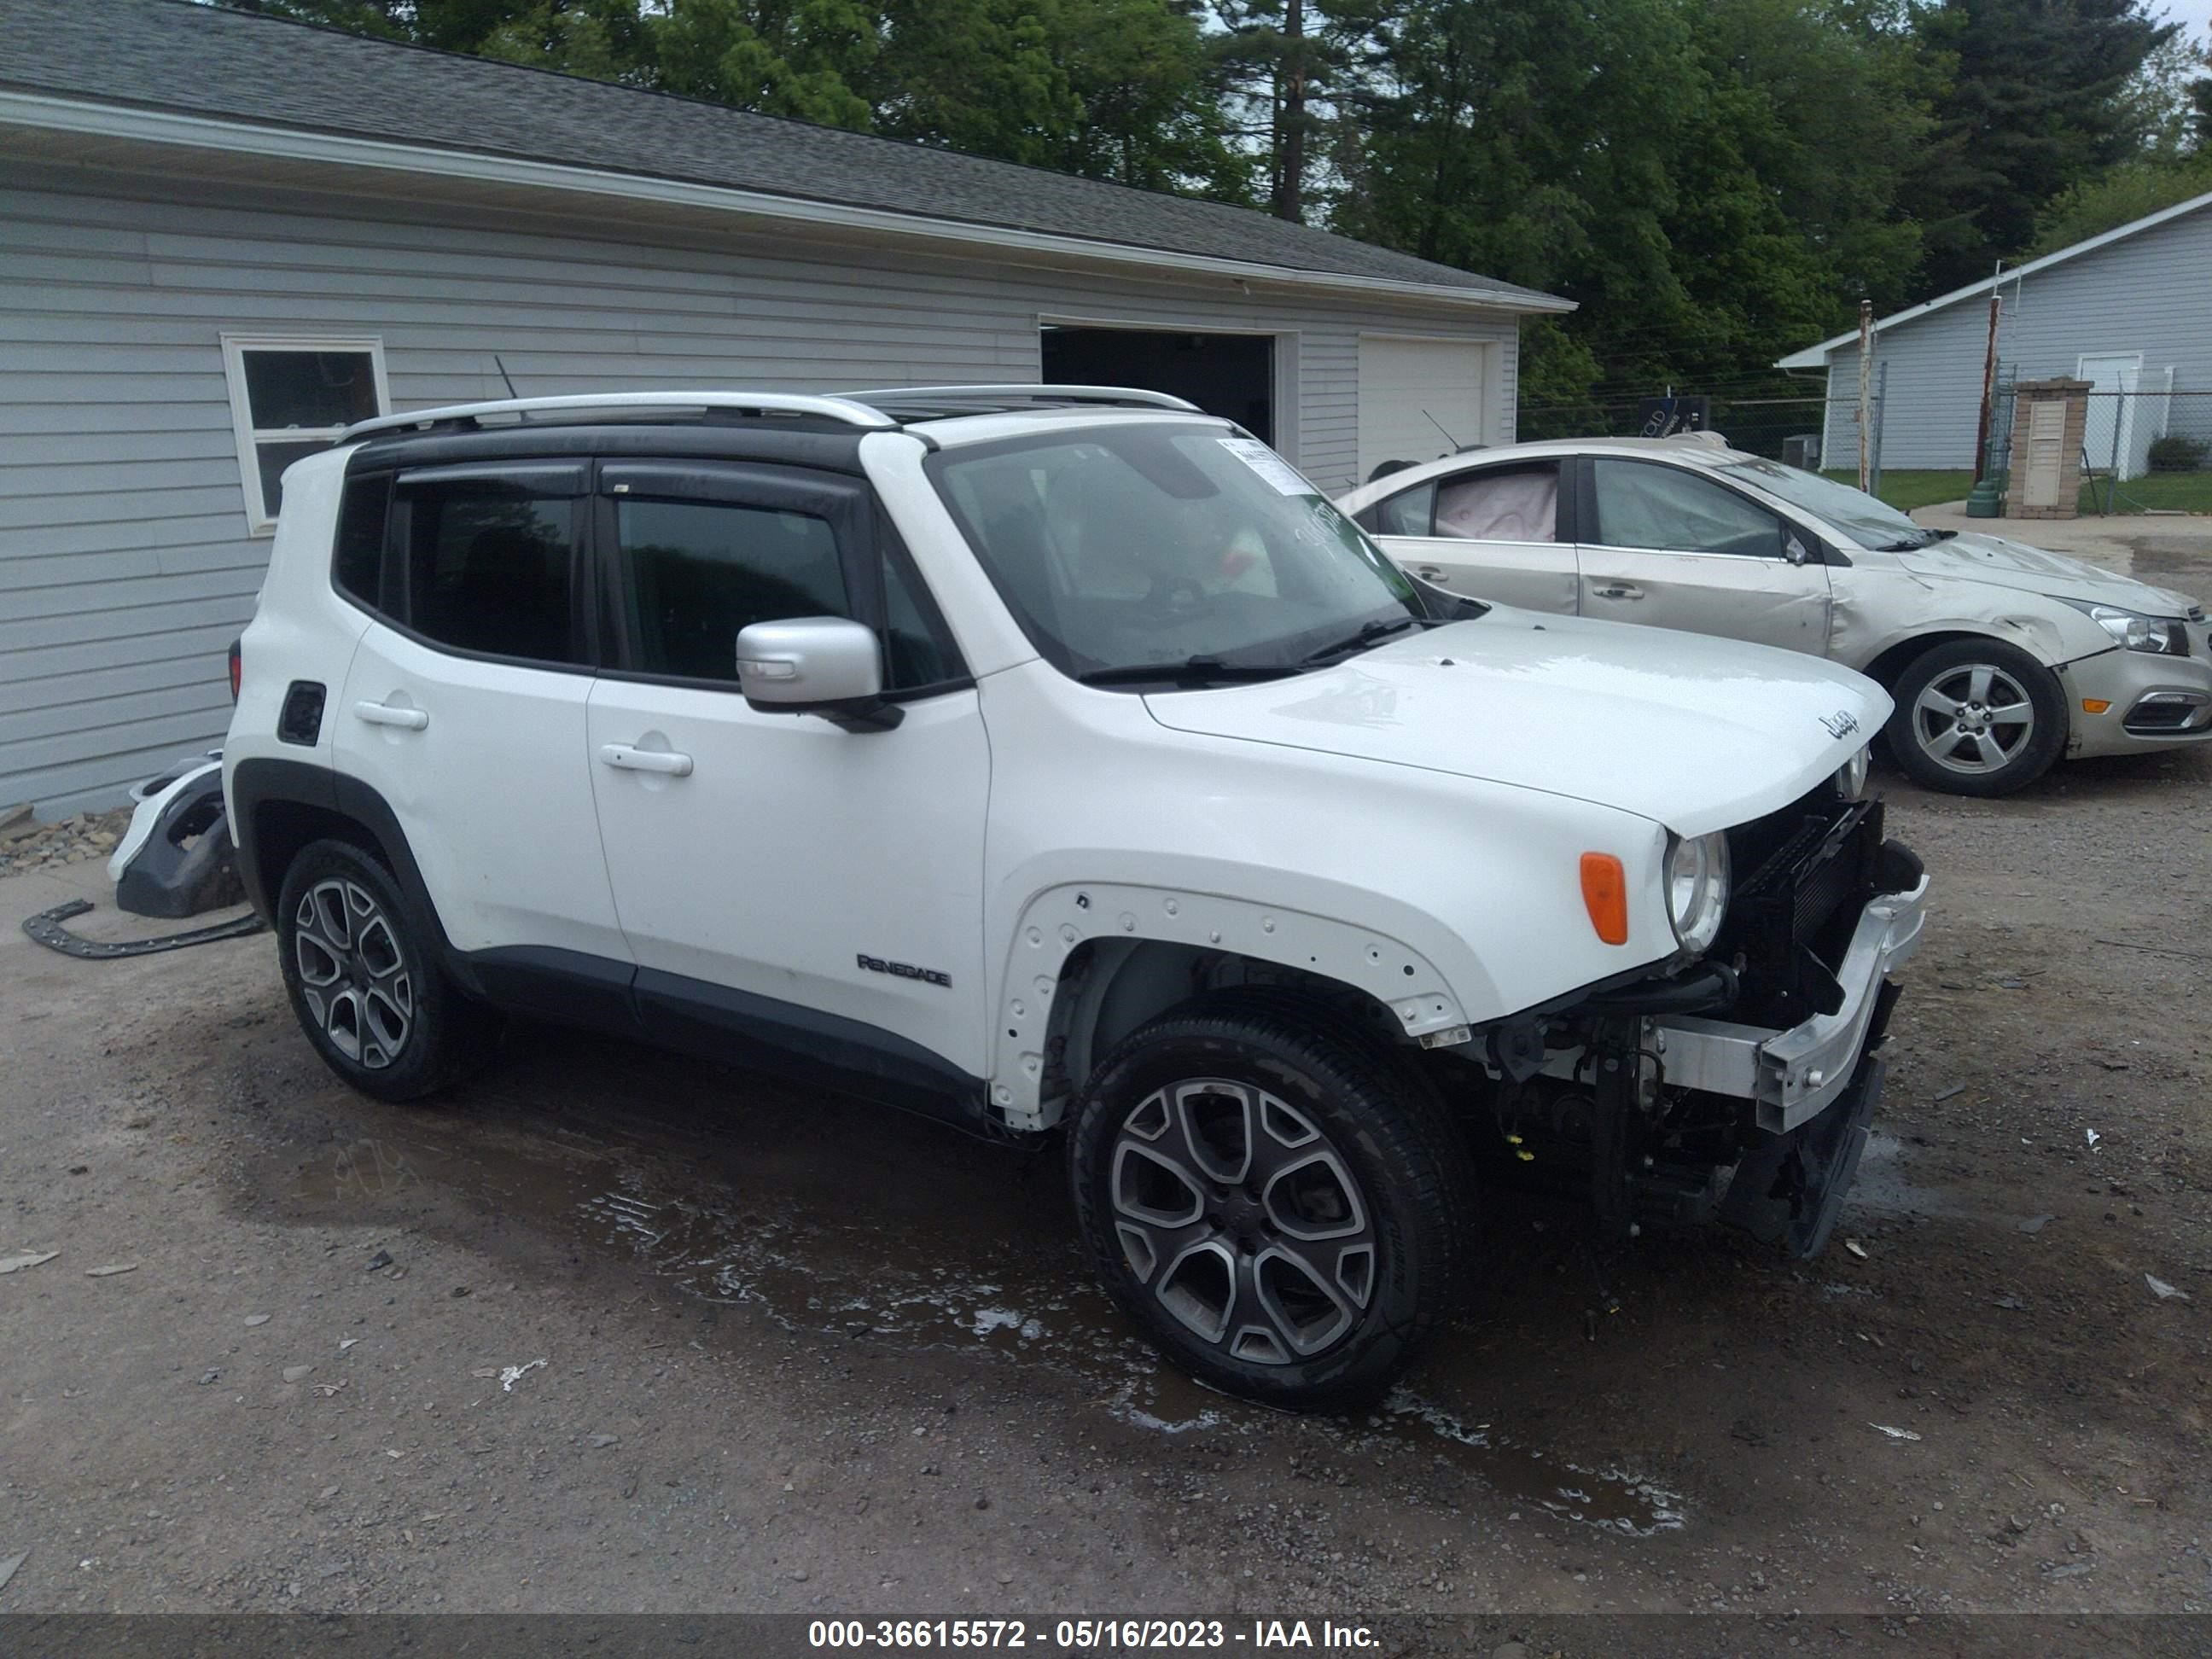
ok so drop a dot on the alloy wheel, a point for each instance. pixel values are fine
(354, 978)
(1240, 1218)
(1974, 719)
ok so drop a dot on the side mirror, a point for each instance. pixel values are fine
(1794, 549)
(822, 666)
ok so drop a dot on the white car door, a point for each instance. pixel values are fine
(777, 871)
(464, 707)
(1485, 533)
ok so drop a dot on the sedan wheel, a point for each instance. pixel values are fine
(1976, 717)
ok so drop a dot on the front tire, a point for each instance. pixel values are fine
(1273, 1198)
(361, 968)
(1976, 717)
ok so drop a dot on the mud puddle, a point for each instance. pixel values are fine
(836, 1272)
(1885, 1184)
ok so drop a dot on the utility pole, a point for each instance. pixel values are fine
(1988, 390)
(1866, 394)
(1290, 117)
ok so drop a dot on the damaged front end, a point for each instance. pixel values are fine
(1741, 1086)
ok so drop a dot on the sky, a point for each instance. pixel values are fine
(2195, 16)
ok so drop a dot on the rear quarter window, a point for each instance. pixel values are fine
(357, 557)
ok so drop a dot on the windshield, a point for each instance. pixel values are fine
(1154, 543)
(1867, 521)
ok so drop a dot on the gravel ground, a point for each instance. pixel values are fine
(614, 1331)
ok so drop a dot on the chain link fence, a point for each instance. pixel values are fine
(2145, 450)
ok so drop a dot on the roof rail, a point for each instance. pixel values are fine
(1134, 396)
(845, 409)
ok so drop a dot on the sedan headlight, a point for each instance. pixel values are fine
(2161, 635)
(1698, 888)
(1852, 776)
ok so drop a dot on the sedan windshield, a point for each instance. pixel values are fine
(1151, 544)
(1867, 521)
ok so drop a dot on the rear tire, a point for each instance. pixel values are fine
(1275, 1200)
(360, 964)
(1976, 717)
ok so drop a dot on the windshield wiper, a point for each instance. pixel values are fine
(1381, 628)
(1927, 539)
(1189, 670)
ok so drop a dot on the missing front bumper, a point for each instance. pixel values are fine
(1792, 1076)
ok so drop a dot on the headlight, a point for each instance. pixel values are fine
(1851, 777)
(2162, 635)
(1698, 888)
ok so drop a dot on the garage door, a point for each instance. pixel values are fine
(1410, 389)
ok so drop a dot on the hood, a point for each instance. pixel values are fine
(1972, 556)
(1695, 732)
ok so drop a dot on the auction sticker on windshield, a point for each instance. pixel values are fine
(1268, 465)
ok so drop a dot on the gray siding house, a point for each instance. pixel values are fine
(2128, 310)
(222, 236)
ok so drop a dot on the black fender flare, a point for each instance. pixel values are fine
(263, 781)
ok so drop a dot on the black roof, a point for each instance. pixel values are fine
(196, 59)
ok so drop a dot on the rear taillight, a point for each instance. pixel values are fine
(237, 669)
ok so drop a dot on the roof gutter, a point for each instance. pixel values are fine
(117, 121)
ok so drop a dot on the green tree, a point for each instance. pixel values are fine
(2036, 103)
(2128, 193)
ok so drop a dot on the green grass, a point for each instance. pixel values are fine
(1907, 489)
(2184, 492)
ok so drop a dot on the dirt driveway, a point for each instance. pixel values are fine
(614, 1331)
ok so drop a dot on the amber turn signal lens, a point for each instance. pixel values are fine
(1605, 896)
(2096, 705)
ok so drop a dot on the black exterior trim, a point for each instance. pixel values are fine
(571, 986)
(833, 450)
(670, 1011)
(804, 1045)
(253, 782)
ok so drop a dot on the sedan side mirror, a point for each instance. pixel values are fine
(1794, 549)
(825, 665)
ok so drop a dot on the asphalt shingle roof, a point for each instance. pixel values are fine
(176, 56)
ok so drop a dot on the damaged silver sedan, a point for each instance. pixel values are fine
(2000, 657)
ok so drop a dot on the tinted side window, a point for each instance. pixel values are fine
(357, 559)
(1640, 504)
(919, 653)
(490, 567)
(695, 573)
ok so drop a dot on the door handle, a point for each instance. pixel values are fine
(625, 758)
(1617, 591)
(1430, 573)
(383, 714)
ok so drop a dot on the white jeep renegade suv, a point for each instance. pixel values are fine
(1059, 756)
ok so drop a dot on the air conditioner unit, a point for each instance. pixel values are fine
(1803, 451)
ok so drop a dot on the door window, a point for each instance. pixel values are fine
(491, 564)
(1500, 504)
(1642, 504)
(695, 573)
(1408, 513)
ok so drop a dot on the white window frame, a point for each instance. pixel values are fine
(259, 520)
